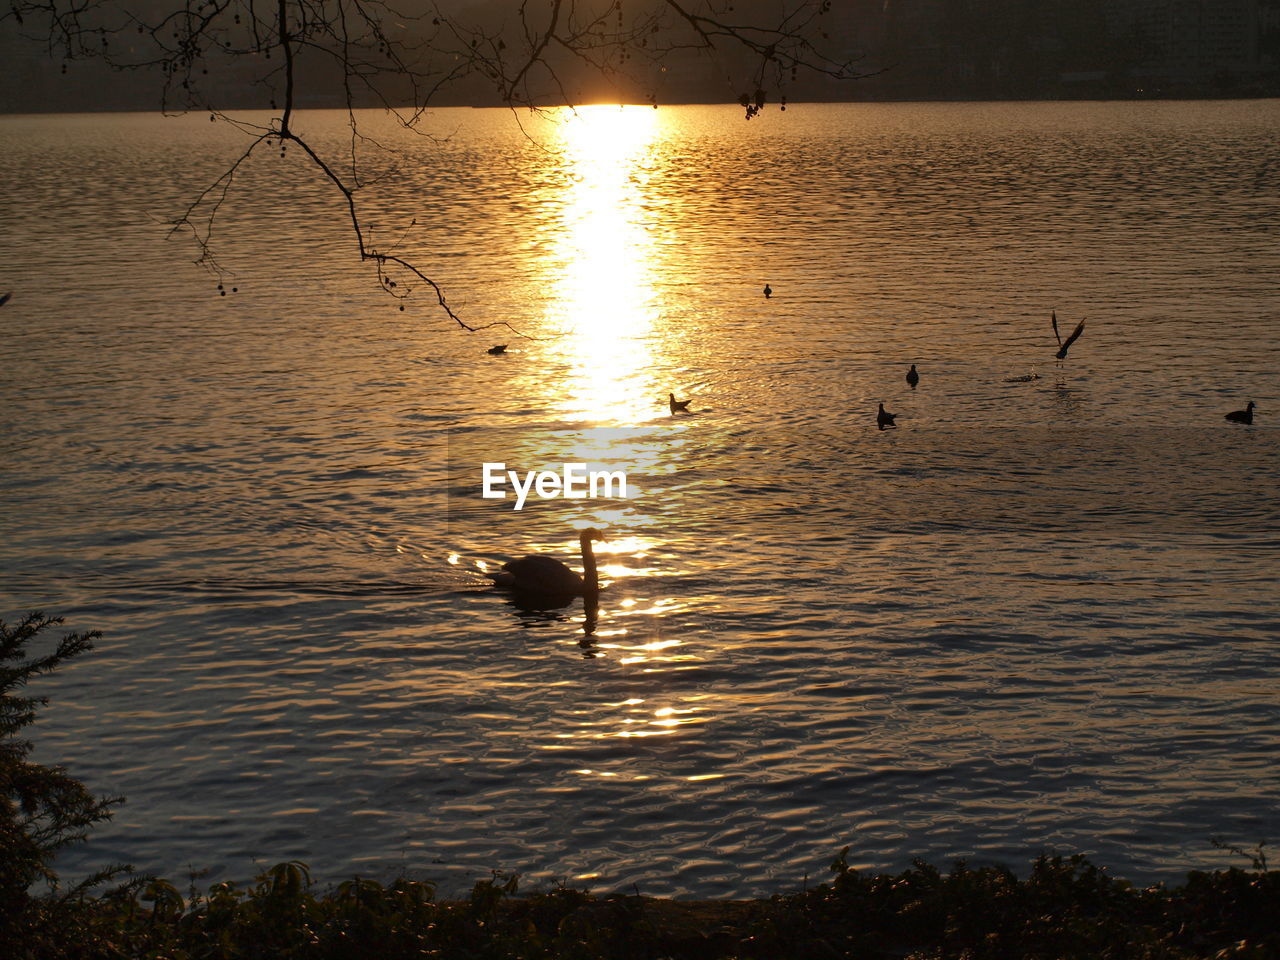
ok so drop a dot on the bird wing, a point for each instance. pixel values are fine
(1075, 334)
(1055, 328)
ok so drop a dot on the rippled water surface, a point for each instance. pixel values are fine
(1040, 614)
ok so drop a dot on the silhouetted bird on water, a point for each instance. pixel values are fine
(768, 291)
(1075, 335)
(497, 349)
(544, 582)
(677, 406)
(912, 377)
(5, 298)
(1242, 416)
(884, 418)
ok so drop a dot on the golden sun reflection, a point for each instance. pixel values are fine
(636, 720)
(603, 293)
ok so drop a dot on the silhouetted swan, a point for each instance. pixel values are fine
(912, 377)
(768, 291)
(542, 578)
(497, 349)
(884, 418)
(1075, 335)
(678, 406)
(1242, 416)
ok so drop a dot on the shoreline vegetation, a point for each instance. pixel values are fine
(1066, 907)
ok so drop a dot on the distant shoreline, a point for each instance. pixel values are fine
(1152, 98)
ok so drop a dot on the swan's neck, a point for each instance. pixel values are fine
(590, 577)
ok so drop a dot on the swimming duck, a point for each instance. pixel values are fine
(884, 418)
(678, 406)
(1242, 416)
(497, 349)
(912, 377)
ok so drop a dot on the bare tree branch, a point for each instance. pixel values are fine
(371, 52)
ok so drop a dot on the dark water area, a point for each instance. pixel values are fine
(1039, 614)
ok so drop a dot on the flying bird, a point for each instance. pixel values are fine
(497, 349)
(677, 406)
(544, 579)
(912, 377)
(884, 418)
(1063, 347)
(1242, 416)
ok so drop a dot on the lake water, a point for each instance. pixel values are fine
(1041, 614)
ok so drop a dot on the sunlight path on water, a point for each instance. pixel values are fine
(603, 263)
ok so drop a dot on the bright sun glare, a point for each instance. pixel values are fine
(605, 289)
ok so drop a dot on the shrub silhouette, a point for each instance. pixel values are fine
(42, 809)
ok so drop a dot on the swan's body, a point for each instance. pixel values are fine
(1063, 347)
(1242, 416)
(912, 377)
(546, 579)
(677, 406)
(768, 291)
(497, 349)
(884, 418)
(539, 573)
